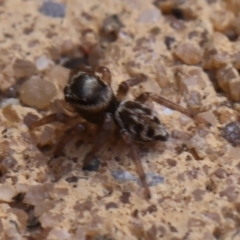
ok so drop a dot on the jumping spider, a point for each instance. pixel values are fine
(93, 99)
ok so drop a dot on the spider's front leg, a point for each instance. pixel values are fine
(128, 139)
(69, 134)
(67, 137)
(126, 85)
(169, 104)
(100, 140)
(55, 117)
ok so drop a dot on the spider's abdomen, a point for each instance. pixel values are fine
(140, 121)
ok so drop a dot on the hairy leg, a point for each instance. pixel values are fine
(67, 137)
(127, 138)
(100, 140)
(55, 117)
(125, 85)
(167, 103)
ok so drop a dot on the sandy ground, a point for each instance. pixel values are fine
(190, 51)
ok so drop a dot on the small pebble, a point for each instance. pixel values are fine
(42, 63)
(167, 111)
(10, 114)
(93, 165)
(29, 119)
(53, 9)
(123, 175)
(7, 192)
(189, 53)
(37, 92)
(23, 68)
(231, 132)
(234, 87)
(194, 101)
(236, 60)
(190, 78)
(36, 194)
(224, 75)
(59, 233)
(59, 75)
(162, 76)
(9, 101)
(199, 146)
(209, 117)
(67, 47)
(152, 178)
(149, 15)
(7, 163)
(222, 20)
(220, 60)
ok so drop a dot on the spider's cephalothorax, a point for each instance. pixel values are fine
(88, 92)
(94, 100)
(90, 95)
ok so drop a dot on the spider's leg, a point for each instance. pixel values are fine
(106, 74)
(127, 138)
(163, 101)
(100, 140)
(125, 85)
(169, 104)
(55, 117)
(67, 137)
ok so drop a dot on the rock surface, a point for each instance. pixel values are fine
(190, 52)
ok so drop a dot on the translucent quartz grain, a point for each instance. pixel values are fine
(37, 92)
(59, 75)
(24, 68)
(189, 53)
(234, 87)
(7, 192)
(236, 60)
(225, 75)
(149, 15)
(42, 63)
